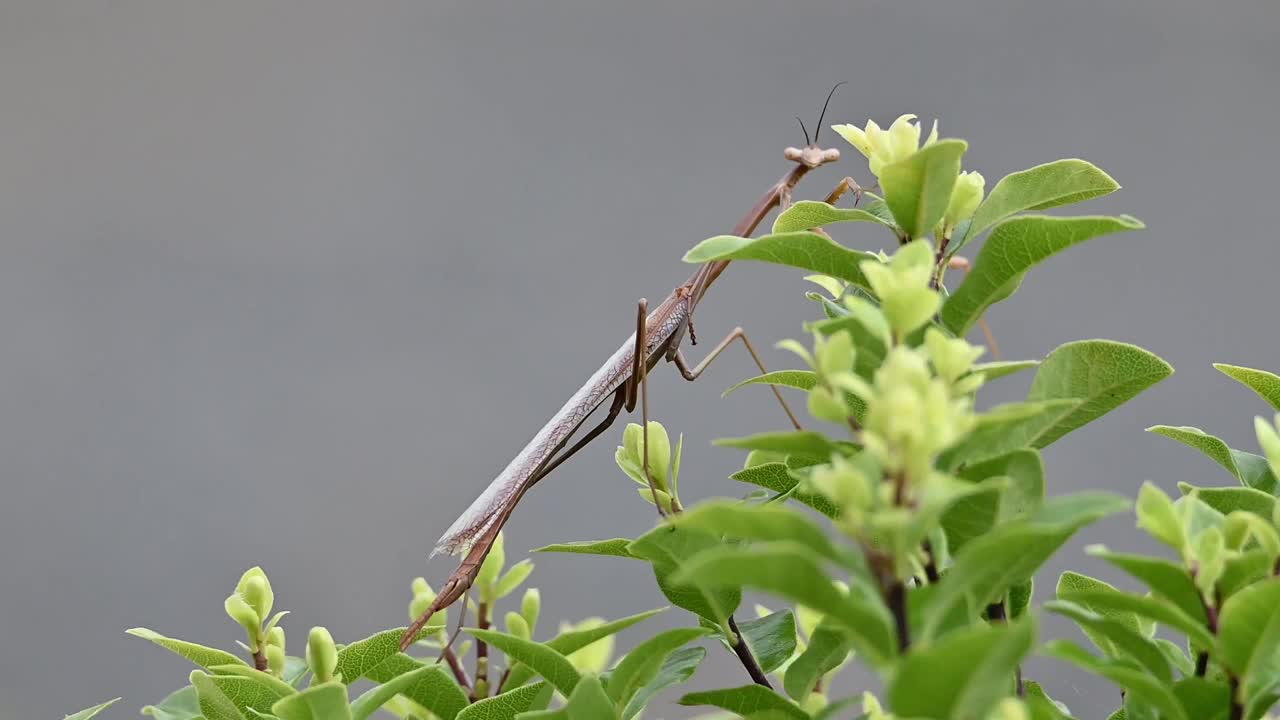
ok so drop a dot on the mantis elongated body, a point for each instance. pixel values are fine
(658, 336)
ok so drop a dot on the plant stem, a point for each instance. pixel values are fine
(459, 672)
(748, 660)
(939, 260)
(1237, 708)
(740, 645)
(260, 659)
(895, 595)
(1202, 663)
(996, 613)
(931, 564)
(481, 687)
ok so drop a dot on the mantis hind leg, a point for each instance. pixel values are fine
(960, 263)
(692, 373)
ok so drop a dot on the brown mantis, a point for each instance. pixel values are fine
(658, 336)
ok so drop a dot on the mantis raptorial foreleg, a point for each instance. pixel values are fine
(614, 409)
(844, 186)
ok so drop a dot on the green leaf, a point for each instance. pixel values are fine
(540, 658)
(1138, 683)
(179, 705)
(828, 647)
(1000, 368)
(972, 516)
(809, 214)
(198, 654)
(878, 208)
(1244, 569)
(1204, 699)
(436, 692)
(804, 249)
(1006, 428)
(772, 638)
(1153, 608)
(294, 670)
(1157, 515)
(749, 701)
(789, 570)
(278, 687)
(676, 670)
(1061, 182)
(250, 693)
(327, 701)
(1266, 384)
(1251, 470)
(1176, 655)
(1249, 637)
(509, 704)
(1041, 706)
(776, 476)
(1015, 246)
(1226, 500)
(642, 664)
(370, 701)
(1198, 439)
(1073, 586)
(1024, 469)
(872, 345)
(1115, 638)
(808, 443)
(1020, 595)
(88, 713)
(918, 187)
(799, 379)
(988, 566)
(763, 523)
(572, 640)
(511, 580)
(962, 675)
(667, 548)
(1100, 374)
(214, 703)
(617, 547)
(360, 658)
(589, 701)
(1022, 493)
(1165, 578)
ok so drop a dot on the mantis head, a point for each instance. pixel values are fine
(811, 155)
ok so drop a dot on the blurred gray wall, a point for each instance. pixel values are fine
(287, 283)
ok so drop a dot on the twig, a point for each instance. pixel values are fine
(895, 596)
(481, 687)
(748, 660)
(996, 613)
(1202, 663)
(260, 659)
(1237, 708)
(459, 672)
(931, 564)
(740, 647)
(502, 681)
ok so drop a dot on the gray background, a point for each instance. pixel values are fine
(288, 283)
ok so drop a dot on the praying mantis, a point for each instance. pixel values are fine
(622, 382)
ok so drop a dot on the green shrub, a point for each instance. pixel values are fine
(904, 535)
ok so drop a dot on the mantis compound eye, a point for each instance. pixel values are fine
(793, 154)
(830, 155)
